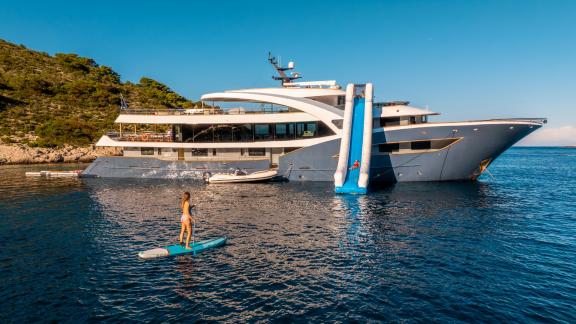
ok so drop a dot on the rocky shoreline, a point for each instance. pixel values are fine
(23, 154)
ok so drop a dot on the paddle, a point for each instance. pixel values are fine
(193, 240)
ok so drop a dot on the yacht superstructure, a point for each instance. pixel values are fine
(297, 129)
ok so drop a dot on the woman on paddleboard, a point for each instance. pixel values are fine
(186, 220)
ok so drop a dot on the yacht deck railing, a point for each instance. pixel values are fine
(141, 137)
(202, 111)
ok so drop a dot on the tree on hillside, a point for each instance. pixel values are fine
(67, 98)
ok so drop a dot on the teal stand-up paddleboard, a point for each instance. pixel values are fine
(180, 249)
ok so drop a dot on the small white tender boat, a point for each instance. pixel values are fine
(258, 176)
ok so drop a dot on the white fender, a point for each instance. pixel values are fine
(342, 169)
(367, 139)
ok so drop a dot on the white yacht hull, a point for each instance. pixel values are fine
(480, 141)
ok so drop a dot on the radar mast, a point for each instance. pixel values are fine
(285, 78)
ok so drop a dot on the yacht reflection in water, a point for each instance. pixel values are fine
(388, 215)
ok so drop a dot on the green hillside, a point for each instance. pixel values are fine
(67, 99)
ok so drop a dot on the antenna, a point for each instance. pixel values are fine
(282, 70)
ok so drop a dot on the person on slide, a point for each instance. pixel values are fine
(356, 165)
(186, 220)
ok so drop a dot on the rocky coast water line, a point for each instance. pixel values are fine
(23, 154)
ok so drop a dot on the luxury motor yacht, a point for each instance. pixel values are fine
(297, 129)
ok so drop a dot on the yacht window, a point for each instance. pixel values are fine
(338, 123)
(224, 133)
(254, 132)
(244, 133)
(147, 151)
(201, 134)
(442, 143)
(159, 151)
(214, 152)
(412, 119)
(424, 119)
(284, 131)
(324, 130)
(305, 130)
(341, 100)
(421, 145)
(263, 132)
(280, 129)
(199, 152)
(257, 152)
(389, 147)
(389, 121)
(416, 146)
(310, 130)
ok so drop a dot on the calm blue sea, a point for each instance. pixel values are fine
(500, 249)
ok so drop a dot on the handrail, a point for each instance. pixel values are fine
(540, 121)
(202, 111)
(141, 137)
(390, 104)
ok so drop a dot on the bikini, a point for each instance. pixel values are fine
(184, 217)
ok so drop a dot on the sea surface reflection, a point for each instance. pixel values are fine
(500, 249)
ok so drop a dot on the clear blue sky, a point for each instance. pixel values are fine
(465, 59)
